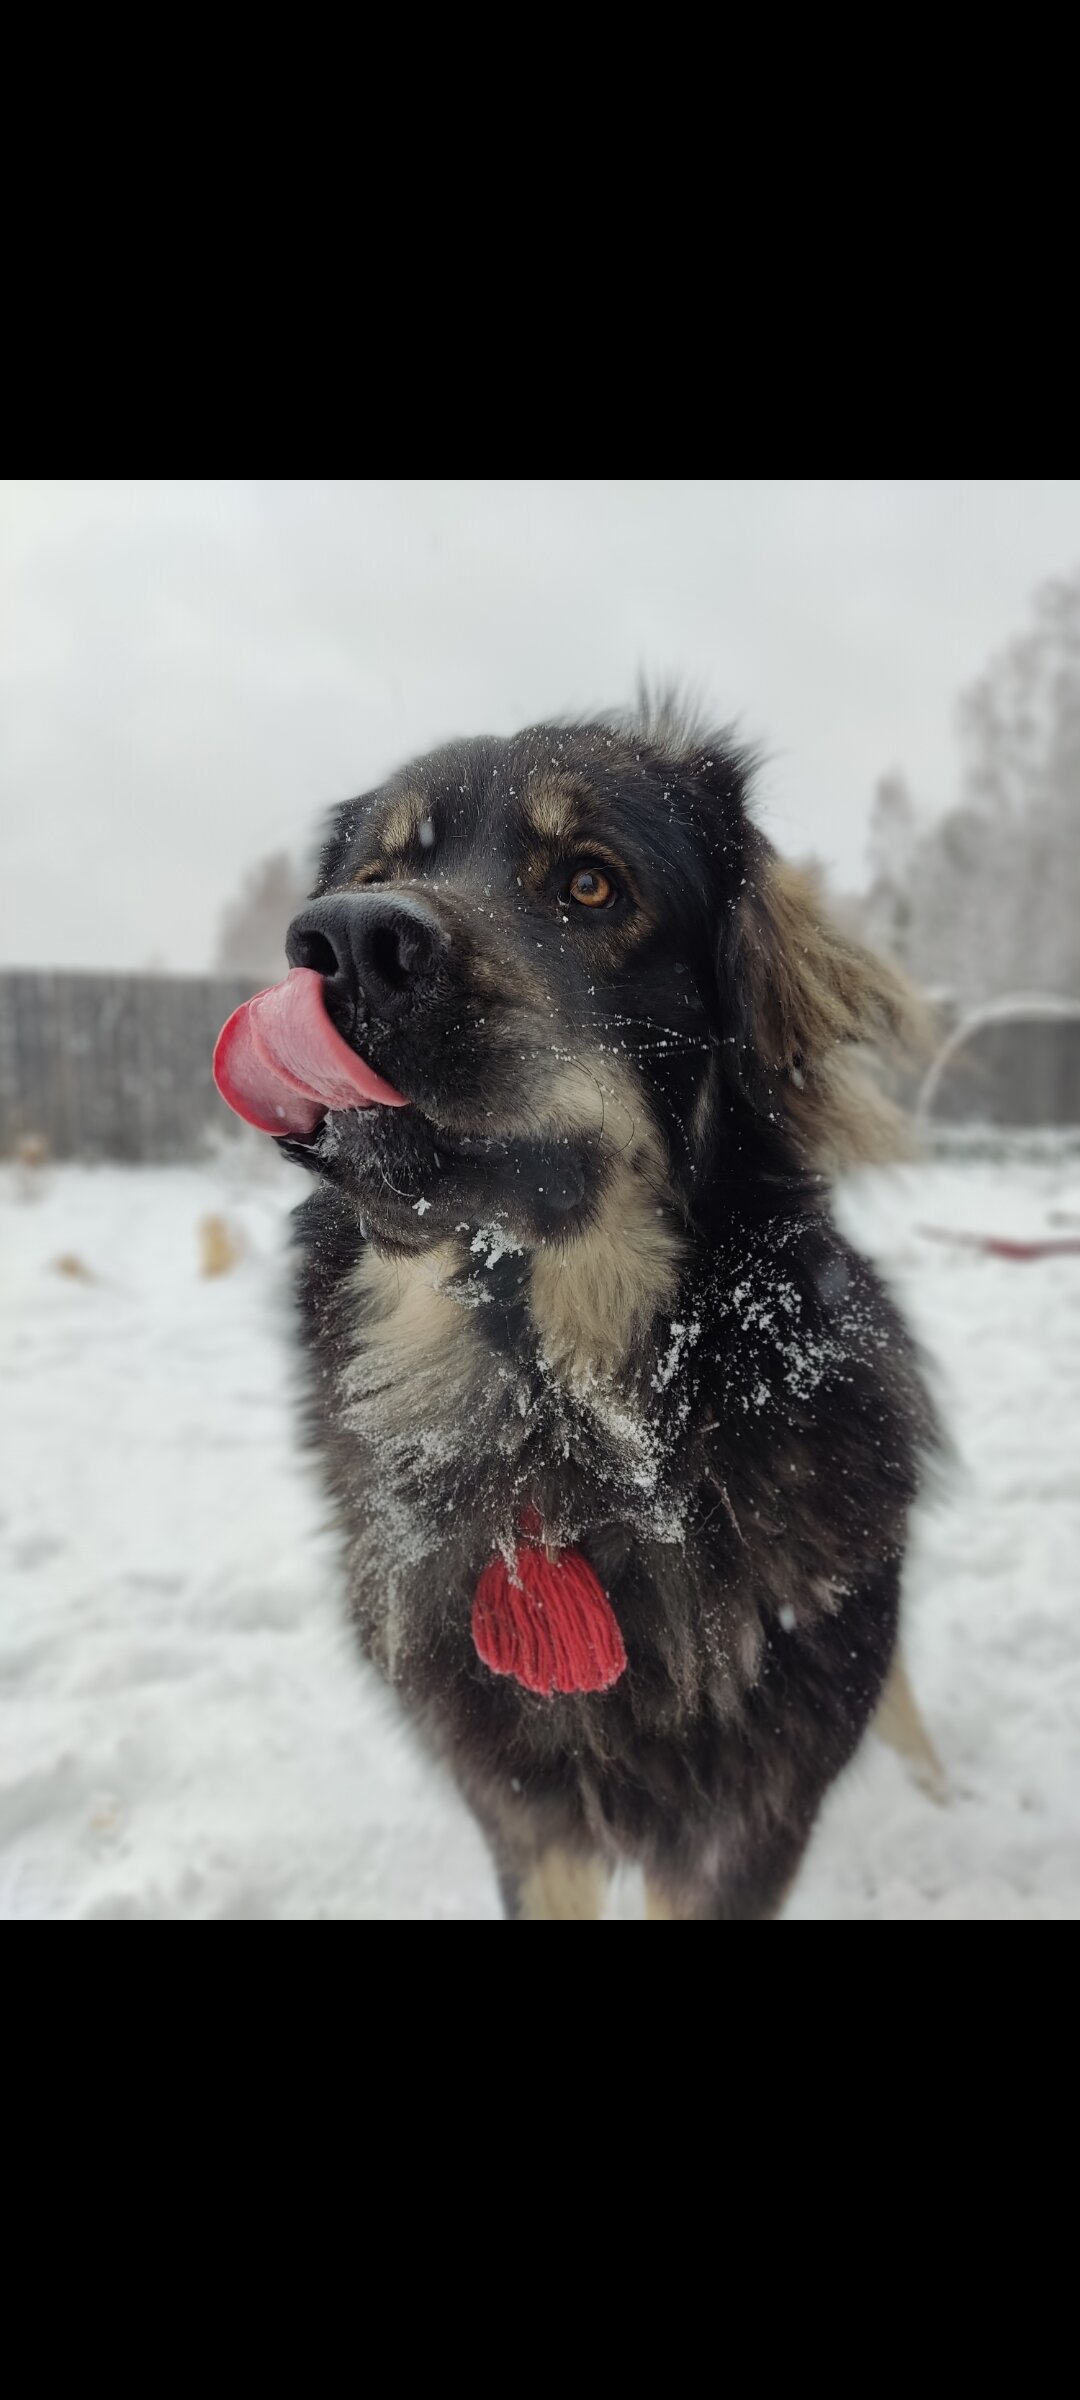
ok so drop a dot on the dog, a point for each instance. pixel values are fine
(577, 1295)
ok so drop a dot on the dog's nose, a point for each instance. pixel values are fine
(377, 951)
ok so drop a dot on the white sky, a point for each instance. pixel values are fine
(190, 671)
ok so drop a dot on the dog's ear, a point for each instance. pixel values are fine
(830, 1023)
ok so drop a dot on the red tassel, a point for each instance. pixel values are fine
(547, 1621)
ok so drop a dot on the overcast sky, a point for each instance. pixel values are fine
(190, 671)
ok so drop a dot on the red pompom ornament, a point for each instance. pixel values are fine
(547, 1620)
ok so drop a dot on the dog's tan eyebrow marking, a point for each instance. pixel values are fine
(406, 827)
(551, 814)
(400, 825)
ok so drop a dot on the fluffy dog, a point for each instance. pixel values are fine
(585, 1280)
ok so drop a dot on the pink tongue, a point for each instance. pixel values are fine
(280, 1062)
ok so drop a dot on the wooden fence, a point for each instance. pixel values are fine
(112, 1066)
(118, 1066)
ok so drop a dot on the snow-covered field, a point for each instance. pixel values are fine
(185, 1730)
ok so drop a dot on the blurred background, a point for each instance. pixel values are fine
(191, 673)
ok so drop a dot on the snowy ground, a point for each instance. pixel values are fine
(184, 1728)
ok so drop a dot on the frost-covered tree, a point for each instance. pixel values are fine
(893, 839)
(1020, 722)
(986, 900)
(251, 940)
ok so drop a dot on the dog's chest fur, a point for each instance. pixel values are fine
(716, 1478)
(452, 1391)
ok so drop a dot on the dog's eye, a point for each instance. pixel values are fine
(592, 888)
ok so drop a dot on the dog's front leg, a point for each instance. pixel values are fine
(754, 1894)
(548, 1869)
(560, 1885)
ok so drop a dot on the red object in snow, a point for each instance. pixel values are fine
(280, 1063)
(548, 1622)
(1000, 1245)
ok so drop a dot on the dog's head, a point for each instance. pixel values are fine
(579, 962)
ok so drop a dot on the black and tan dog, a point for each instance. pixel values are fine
(590, 1271)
